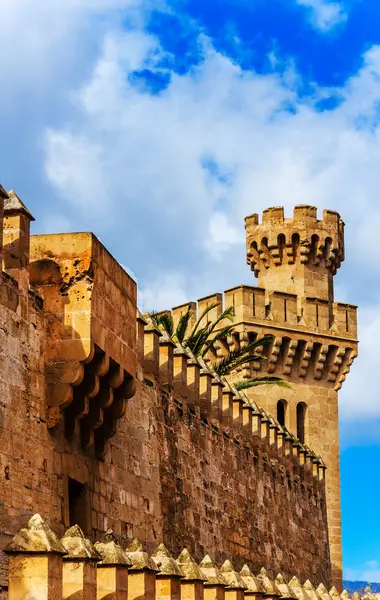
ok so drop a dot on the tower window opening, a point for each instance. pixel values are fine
(295, 245)
(267, 310)
(281, 246)
(314, 248)
(347, 323)
(253, 305)
(285, 312)
(301, 421)
(77, 504)
(281, 412)
(316, 315)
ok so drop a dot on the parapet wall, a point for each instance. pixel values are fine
(229, 471)
(72, 566)
(304, 239)
(312, 337)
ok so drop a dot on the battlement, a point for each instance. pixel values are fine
(302, 241)
(214, 400)
(56, 567)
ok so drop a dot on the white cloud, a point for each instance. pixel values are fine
(325, 14)
(165, 291)
(369, 572)
(167, 179)
(139, 159)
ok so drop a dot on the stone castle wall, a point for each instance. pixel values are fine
(167, 474)
(107, 422)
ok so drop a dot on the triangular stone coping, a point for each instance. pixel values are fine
(165, 563)
(334, 592)
(285, 589)
(252, 583)
(189, 567)
(233, 578)
(269, 586)
(140, 560)
(211, 572)
(111, 553)
(311, 591)
(14, 204)
(295, 584)
(77, 546)
(323, 593)
(36, 537)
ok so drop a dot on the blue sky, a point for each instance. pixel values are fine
(161, 124)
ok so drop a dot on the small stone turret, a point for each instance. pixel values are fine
(296, 256)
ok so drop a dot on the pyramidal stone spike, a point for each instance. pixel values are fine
(140, 560)
(345, 595)
(269, 586)
(322, 592)
(310, 589)
(77, 546)
(189, 567)
(211, 572)
(233, 578)
(285, 589)
(111, 553)
(165, 563)
(251, 582)
(35, 537)
(334, 593)
(15, 205)
(296, 586)
(355, 596)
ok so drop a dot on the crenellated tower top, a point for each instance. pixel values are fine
(299, 255)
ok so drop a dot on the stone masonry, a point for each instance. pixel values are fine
(106, 422)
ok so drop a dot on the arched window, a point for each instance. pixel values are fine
(301, 421)
(281, 412)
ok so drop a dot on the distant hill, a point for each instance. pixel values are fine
(359, 586)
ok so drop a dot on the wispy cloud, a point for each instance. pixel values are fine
(130, 164)
(369, 572)
(324, 14)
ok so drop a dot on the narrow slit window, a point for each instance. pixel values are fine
(281, 412)
(301, 421)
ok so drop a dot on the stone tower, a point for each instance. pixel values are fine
(315, 337)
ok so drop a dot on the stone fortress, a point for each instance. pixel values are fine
(107, 423)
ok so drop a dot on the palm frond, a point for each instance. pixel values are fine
(197, 341)
(244, 385)
(221, 335)
(225, 367)
(233, 359)
(228, 313)
(202, 315)
(164, 319)
(183, 324)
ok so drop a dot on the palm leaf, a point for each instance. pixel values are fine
(235, 358)
(244, 385)
(164, 319)
(221, 335)
(183, 324)
(226, 368)
(197, 341)
(203, 314)
(228, 313)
